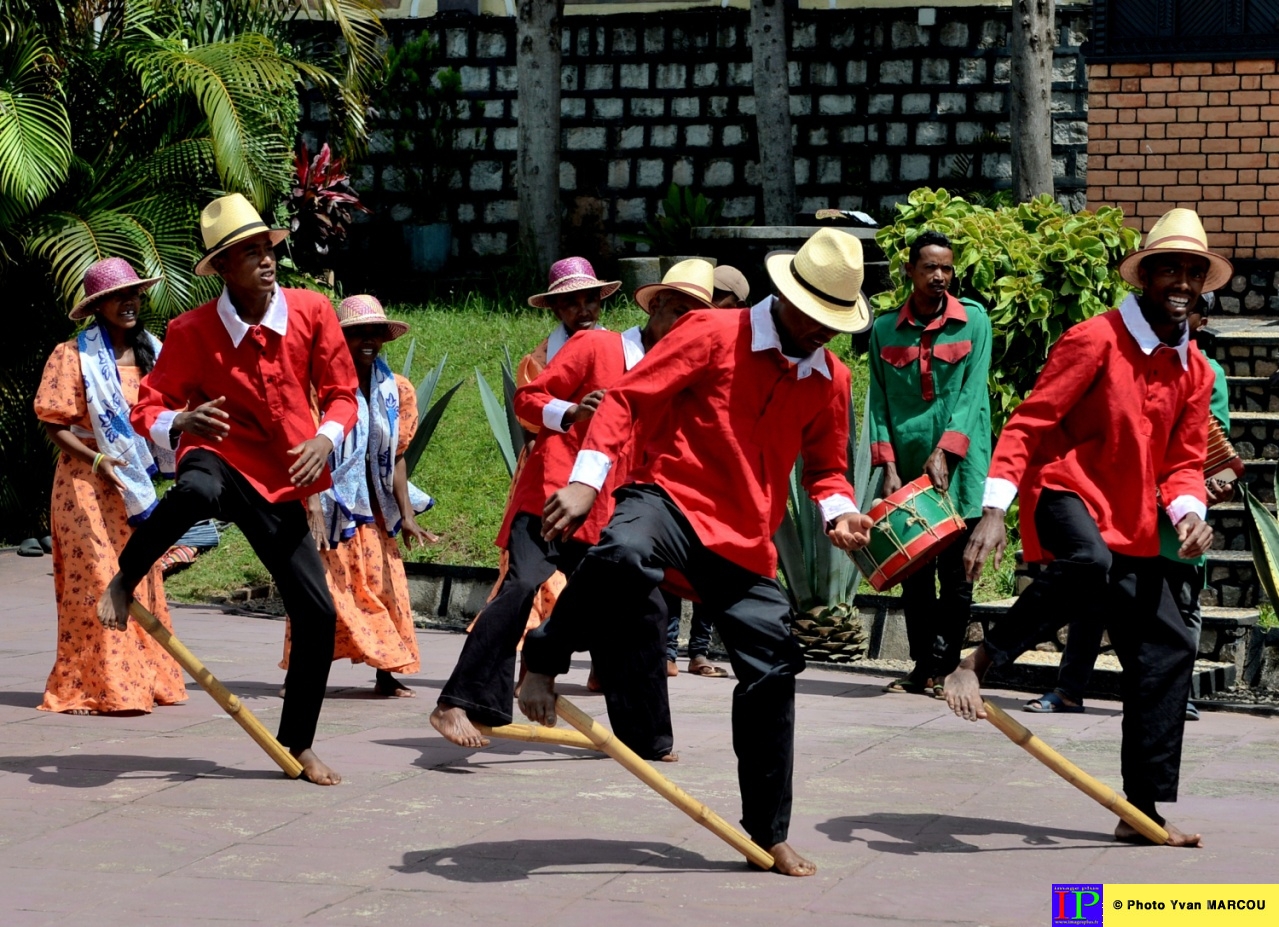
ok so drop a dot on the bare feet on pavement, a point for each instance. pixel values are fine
(537, 699)
(963, 686)
(113, 605)
(388, 686)
(1128, 834)
(455, 727)
(788, 862)
(671, 668)
(314, 770)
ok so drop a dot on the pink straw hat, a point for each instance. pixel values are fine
(366, 310)
(110, 275)
(569, 274)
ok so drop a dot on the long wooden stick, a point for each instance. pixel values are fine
(223, 696)
(1099, 792)
(538, 734)
(603, 739)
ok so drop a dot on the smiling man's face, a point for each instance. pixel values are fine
(1171, 284)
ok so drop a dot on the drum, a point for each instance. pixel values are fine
(1222, 463)
(912, 526)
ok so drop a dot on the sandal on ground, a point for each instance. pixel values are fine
(709, 670)
(1052, 703)
(30, 548)
(906, 684)
(1192, 712)
(937, 690)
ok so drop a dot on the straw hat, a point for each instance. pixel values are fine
(824, 279)
(694, 277)
(110, 275)
(731, 280)
(366, 310)
(568, 275)
(225, 221)
(1180, 231)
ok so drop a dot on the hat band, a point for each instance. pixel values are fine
(259, 224)
(1201, 246)
(818, 292)
(686, 285)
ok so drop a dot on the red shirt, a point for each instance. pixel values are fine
(591, 360)
(738, 417)
(267, 380)
(1124, 430)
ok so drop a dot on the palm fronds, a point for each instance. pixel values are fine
(35, 131)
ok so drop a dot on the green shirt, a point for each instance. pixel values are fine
(928, 390)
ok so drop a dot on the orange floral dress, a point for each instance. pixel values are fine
(96, 669)
(370, 591)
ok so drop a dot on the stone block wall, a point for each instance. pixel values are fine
(1199, 134)
(880, 106)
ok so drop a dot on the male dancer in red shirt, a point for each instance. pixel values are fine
(1115, 428)
(235, 380)
(727, 402)
(562, 400)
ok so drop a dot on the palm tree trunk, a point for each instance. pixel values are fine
(1030, 97)
(772, 110)
(537, 61)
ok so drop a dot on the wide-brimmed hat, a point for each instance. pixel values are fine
(732, 280)
(110, 275)
(366, 310)
(569, 274)
(824, 280)
(694, 277)
(1179, 231)
(227, 220)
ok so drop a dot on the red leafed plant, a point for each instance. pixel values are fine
(321, 204)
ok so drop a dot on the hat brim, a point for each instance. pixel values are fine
(82, 309)
(607, 288)
(204, 267)
(396, 328)
(850, 319)
(644, 295)
(1220, 270)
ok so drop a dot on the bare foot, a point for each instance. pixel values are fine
(1128, 834)
(388, 686)
(593, 683)
(671, 757)
(82, 711)
(963, 686)
(314, 770)
(113, 605)
(537, 699)
(671, 668)
(455, 727)
(788, 862)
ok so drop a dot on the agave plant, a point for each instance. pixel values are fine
(428, 413)
(506, 428)
(1263, 538)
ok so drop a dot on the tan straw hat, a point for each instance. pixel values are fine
(730, 280)
(366, 310)
(227, 220)
(1179, 231)
(694, 277)
(824, 279)
(107, 276)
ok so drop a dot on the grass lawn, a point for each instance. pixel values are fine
(462, 468)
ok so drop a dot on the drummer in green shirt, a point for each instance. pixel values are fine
(930, 414)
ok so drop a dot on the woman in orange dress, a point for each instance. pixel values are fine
(101, 486)
(370, 503)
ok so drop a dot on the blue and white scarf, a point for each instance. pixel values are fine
(349, 504)
(109, 414)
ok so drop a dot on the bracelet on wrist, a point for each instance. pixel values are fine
(97, 460)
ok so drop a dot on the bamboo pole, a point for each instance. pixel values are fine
(1099, 792)
(223, 696)
(538, 734)
(604, 740)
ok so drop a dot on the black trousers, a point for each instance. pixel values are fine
(607, 601)
(937, 600)
(208, 487)
(1135, 600)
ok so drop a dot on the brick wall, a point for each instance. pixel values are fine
(1203, 135)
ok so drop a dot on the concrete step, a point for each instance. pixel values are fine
(1232, 580)
(1252, 394)
(1255, 435)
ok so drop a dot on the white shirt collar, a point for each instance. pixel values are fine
(1145, 336)
(764, 336)
(276, 318)
(632, 346)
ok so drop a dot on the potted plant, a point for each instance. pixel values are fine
(417, 104)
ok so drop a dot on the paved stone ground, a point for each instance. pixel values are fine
(913, 816)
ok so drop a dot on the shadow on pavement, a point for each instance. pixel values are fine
(89, 770)
(440, 755)
(840, 688)
(22, 699)
(913, 834)
(519, 860)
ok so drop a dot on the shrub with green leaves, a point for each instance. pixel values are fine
(1037, 267)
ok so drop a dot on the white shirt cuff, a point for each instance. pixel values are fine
(999, 494)
(160, 430)
(591, 468)
(1182, 506)
(553, 414)
(333, 431)
(834, 506)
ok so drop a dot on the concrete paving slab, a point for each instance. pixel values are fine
(913, 816)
